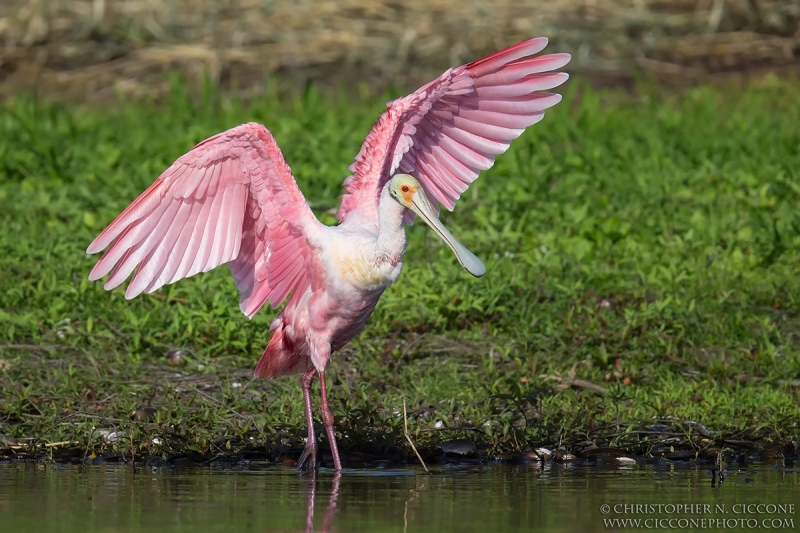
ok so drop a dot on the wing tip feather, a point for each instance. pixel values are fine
(94, 246)
(502, 57)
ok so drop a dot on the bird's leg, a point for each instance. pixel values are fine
(327, 419)
(310, 449)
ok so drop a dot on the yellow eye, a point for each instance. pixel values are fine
(405, 188)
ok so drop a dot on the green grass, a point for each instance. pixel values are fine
(647, 243)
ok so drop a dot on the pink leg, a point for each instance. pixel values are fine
(327, 419)
(310, 449)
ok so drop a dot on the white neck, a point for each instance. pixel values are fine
(391, 233)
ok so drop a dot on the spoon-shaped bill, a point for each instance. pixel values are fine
(421, 206)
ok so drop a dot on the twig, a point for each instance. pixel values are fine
(638, 432)
(572, 381)
(789, 382)
(46, 445)
(583, 384)
(408, 438)
(441, 430)
(62, 443)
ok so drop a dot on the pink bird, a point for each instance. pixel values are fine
(232, 199)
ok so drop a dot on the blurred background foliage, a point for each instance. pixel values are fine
(95, 49)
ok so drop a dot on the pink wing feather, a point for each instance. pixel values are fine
(231, 199)
(449, 130)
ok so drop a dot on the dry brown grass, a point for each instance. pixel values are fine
(88, 49)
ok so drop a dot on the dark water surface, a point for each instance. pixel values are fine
(261, 497)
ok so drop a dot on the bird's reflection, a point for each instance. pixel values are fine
(312, 483)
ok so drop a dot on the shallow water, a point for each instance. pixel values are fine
(266, 498)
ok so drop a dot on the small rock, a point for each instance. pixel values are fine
(459, 447)
(176, 357)
(659, 449)
(698, 428)
(539, 454)
(607, 303)
(110, 435)
(626, 461)
(144, 414)
(562, 456)
(566, 458)
(8, 440)
(544, 453)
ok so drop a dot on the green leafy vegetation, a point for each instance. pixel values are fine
(643, 253)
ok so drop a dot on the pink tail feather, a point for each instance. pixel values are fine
(281, 356)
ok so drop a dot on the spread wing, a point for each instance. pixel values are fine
(231, 199)
(446, 132)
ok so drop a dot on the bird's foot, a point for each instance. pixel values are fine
(308, 459)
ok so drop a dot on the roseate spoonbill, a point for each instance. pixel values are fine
(232, 199)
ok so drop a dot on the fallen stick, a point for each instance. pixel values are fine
(408, 438)
(47, 445)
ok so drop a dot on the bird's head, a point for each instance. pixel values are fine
(409, 193)
(403, 188)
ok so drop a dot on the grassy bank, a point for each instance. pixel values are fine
(642, 256)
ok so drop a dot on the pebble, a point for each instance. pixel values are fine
(109, 435)
(144, 413)
(540, 454)
(8, 440)
(176, 357)
(459, 447)
(566, 458)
